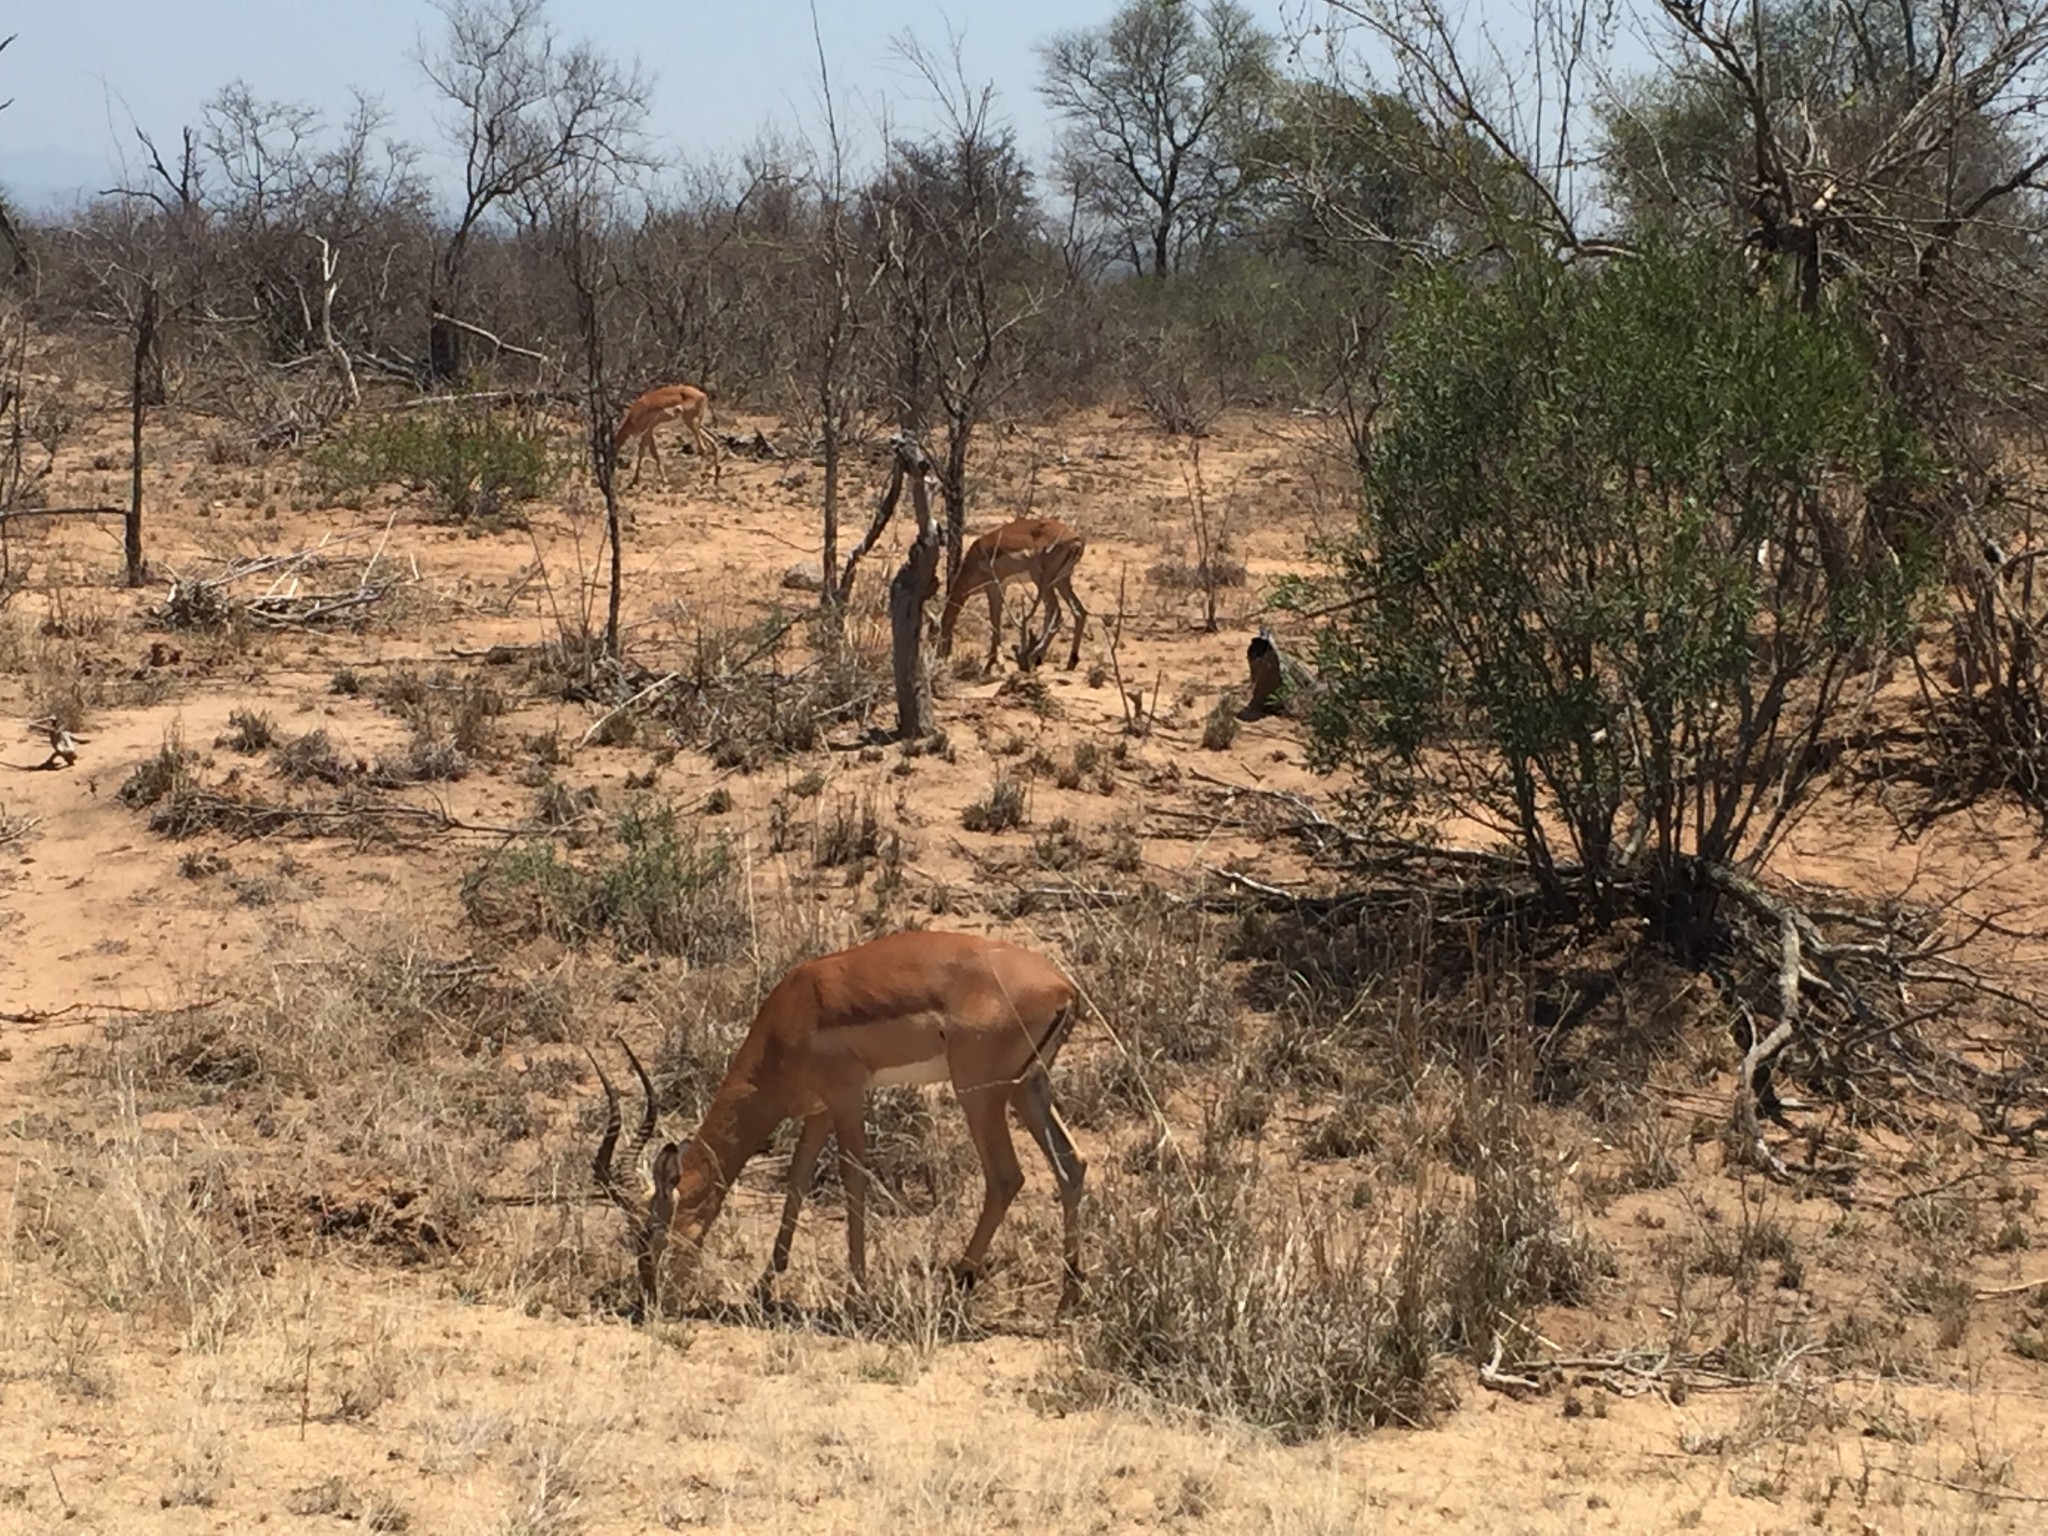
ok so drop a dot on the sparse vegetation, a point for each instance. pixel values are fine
(848, 833)
(1213, 1301)
(1002, 808)
(1219, 730)
(650, 888)
(474, 464)
(158, 776)
(1542, 1006)
(249, 731)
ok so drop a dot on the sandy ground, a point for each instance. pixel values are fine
(323, 1386)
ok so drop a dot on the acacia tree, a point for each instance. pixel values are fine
(1346, 198)
(1156, 103)
(1501, 117)
(523, 107)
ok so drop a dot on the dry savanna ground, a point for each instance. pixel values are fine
(298, 958)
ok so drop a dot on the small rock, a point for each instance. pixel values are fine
(804, 576)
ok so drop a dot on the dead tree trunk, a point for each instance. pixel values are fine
(914, 584)
(145, 350)
(330, 284)
(884, 510)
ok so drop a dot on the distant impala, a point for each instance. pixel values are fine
(657, 408)
(1043, 549)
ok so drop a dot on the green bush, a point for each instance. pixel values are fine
(653, 891)
(1629, 534)
(472, 462)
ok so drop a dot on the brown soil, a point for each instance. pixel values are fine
(327, 1346)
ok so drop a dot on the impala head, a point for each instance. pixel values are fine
(962, 587)
(649, 1211)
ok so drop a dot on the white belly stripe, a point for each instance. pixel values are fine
(911, 1074)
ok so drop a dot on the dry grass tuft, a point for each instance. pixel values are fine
(1206, 1297)
(656, 889)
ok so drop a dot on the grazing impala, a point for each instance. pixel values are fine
(983, 1015)
(657, 408)
(1042, 548)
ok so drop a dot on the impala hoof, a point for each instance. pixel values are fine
(1070, 1294)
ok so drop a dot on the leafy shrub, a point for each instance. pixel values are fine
(1630, 533)
(472, 462)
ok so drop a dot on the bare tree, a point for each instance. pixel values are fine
(953, 221)
(16, 249)
(1503, 114)
(1155, 103)
(1866, 138)
(582, 215)
(839, 317)
(291, 204)
(523, 106)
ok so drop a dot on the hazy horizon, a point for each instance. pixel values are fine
(82, 80)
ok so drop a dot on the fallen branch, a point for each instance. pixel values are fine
(35, 1017)
(195, 810)
(1993, 1292)
(605, 719)
(1503, 1381)
(206, 602)
(494, 339)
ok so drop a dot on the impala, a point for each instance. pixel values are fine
(986, 1016)
(1042, 548)
(656, 409)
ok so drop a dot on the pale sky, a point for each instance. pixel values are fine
(80, 71)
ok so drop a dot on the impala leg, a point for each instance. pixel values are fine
(1066, 590)
(849, 1126)
(654, 447)
(987, 1111)
(995, 623)
(1035, 1107)
(1048, 598)
(708, 446)
(803, 1166)
(639, 453)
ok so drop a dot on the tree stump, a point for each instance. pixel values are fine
(1278, 679)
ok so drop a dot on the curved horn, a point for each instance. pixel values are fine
(646, 1132)
(603, 1166)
